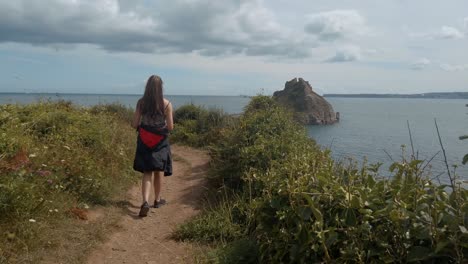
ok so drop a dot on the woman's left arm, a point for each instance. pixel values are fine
(169, 118)
(136, 116)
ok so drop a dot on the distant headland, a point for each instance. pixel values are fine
(451, 95)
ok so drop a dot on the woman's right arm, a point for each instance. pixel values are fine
(136, 116)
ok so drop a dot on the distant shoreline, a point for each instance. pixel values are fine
(451, 95)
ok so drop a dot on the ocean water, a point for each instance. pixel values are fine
(374, 129)
(230, 104)
(377, 128)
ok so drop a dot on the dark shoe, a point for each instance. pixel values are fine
(144, 209)
(159, 203)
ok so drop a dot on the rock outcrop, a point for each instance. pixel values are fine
(310, 108)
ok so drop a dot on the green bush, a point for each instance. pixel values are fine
(214, 225)
(302, 207)
(188, 112)
(242, 251)
(116, 109)
(199, 127)
(315, 213)
(265, 134)
(55, 156)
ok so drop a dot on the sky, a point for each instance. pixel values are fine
(233, 47)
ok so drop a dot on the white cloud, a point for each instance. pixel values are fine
(449, 33)
(420, 64)
(465, 23)
(337, 24)
(346, 54)
(452, 68)
(445, 32)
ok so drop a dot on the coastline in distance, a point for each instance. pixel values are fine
(446, 95)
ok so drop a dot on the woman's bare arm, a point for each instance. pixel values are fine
(136, 116)
(169, 119)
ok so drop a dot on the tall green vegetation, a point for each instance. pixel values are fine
(56, 158)
(294, 204)
(197, 126)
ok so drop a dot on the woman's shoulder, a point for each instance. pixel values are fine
(166, 102)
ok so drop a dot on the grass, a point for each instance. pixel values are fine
(57, 159)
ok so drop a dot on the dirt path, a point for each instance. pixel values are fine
(146, 240)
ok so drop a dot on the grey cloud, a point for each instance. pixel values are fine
(347, 54)
(63, 22)
(337, 24)
(210, 28)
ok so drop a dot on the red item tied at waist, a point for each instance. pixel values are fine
(149, 139)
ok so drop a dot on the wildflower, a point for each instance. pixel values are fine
(32, 155)
(67, 147)
(44, 165)
(32, 220)
(56, 210)
(49, 181)
(62, 161)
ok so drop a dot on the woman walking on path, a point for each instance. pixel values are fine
(153, 121)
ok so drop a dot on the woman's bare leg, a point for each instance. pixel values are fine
(157, 181)
(146, 186)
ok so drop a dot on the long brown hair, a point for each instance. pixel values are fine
(152, 102)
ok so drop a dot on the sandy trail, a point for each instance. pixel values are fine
(147, 240)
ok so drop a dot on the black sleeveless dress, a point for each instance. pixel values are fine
(153, 152)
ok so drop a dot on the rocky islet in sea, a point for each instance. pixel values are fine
(310, 108)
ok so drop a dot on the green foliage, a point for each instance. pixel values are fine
(221, 223)
(199, 127)
(242, 251)
(260, 103)
(56, 156)
(118, 110)
(302, 207)
(320, 213)
(265, 134)
(188, 112)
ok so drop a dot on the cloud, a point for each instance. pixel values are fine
(452, 68)
(465, 23)
(210, 28)
(449, 33)
(420, 64)
(445, 32)
(337, 24)
(346, 54)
